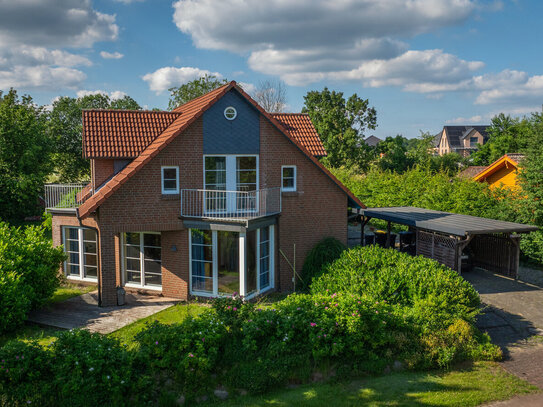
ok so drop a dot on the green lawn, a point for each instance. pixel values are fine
(464, 387)
(171, 315)
(70, 290)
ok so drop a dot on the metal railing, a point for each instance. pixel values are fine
(65, 196)
(230, 205)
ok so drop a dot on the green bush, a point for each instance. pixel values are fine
(434, 295)
(324, 252)
(28, 272)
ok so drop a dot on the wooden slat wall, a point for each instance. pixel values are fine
(495, 253)
(437, 247)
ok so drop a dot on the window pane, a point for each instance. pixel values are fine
(251, 261)
(73, 269)
(151, 240)
(153, 267)
(215, 163)
(73, 233)
(288, 172)
(215, 178)
(170, 185)
(228, 262)
(133, 264)
(133, 238)
(247, 177)
(202, 269)
(264, 249)
(133, 277)
(169, 173)
(264, 234)
(90, 260)
(202, 284)
(89, 234)
(155, 279)
(152, 253)
(73, 258)
(132, 251)
(202, 252)
(246, 163)
(89, 247)
(73, 246)
(91, 272)
(201, 236)
(288, 183)
(264, 280)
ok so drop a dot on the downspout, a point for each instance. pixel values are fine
(99, 274)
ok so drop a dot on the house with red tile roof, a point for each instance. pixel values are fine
(213, 198)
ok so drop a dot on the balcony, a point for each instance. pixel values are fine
(230, 205)
(65, 197)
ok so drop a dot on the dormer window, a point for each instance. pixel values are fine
(170, 180)
(230, 113)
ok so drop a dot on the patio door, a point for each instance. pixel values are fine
(230, 184)
(225, 262)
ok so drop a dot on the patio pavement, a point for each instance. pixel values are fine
(83, 312)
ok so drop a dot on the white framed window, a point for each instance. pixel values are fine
(142, 259)
(288, 178)
(230, 113)
(223, 262)
(80, 245)
(170, 179)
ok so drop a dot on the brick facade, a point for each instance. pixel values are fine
(317, 209)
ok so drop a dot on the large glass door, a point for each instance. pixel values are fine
(225, 262)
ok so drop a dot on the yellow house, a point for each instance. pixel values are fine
(502, 172)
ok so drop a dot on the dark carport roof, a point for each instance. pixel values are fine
(445, 222)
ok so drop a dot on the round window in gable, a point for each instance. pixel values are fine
(230, 113)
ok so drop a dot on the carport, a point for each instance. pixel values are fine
(443, 236)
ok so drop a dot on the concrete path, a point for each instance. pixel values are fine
(513, 317)
(83, 312)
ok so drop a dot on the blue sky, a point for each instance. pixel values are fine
(421, 63)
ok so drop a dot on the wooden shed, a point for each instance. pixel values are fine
(445, 237)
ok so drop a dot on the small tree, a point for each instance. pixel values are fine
(182, 94)
(341, 125)
(271, 95)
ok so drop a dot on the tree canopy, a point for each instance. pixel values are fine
(182, 94)
(341, 123)
(271, 95)
(25, 150)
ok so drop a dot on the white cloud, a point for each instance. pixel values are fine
(111, 55)
(465, 120)
(54, 23)
(114, 95)
(167, 77)
(248, 87)
(33, 33)
(509, 87)
(41, 77)
(306, 41)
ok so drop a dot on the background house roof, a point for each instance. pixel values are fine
(456, 134)
(372, 141)
(471, 171)
(505, 160)
(300, 127)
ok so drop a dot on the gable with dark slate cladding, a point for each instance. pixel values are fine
(238, 136)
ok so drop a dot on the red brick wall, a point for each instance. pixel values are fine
(316, 210)
(102, 169)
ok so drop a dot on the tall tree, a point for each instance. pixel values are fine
(271, 95)
(182, 94)
(65, 127)
(341, 123)
(24, 155)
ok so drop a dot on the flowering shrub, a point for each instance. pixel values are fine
(430, 293)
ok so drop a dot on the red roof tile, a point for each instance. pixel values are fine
(188, 113)
(300, 127)
(122, 133)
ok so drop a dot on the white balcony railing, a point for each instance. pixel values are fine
(230, 205)
(65, 196)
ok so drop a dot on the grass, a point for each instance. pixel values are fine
(468, 386)
(171, 315)
(69, 290)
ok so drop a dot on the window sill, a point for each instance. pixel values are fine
(169, 197)
(290, 193)
(87, 279)
(144, 287)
